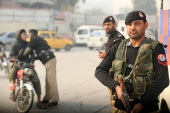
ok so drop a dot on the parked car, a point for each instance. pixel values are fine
(97, 39)
(8, 38)
(55, 41)
(83, 33)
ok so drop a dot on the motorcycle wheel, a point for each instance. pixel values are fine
(24, 102)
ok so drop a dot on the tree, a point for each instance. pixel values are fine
(49, 4)
(147, 6)
(95, 11)
(64, 4)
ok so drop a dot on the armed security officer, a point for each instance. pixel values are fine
(114, 35)
(142, 65)
(48, 59)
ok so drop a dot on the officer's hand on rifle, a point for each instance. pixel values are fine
(102, 54)
(118, 90)
(137, 108)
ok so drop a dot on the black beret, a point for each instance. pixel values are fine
(109, 19)
(135, 15)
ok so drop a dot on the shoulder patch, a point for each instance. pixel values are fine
(162, 59)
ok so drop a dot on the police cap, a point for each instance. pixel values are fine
(135, 15)
(109, 19)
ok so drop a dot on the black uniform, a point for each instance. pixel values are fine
(114, 35)
(149, 100)
(42, 49)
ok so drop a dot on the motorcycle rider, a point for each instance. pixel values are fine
(19, 45)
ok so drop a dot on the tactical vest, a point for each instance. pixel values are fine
(142, 72)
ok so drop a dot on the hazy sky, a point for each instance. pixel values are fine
(108, 6)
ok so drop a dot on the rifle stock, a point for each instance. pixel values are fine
(125, 95)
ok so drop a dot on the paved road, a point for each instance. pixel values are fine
(79, 90)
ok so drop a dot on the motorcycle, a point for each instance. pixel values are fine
(24, 92)
(4, 63)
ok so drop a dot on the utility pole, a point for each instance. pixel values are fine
(161, 5)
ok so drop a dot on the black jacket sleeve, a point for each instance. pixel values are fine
(33, 42)
(161, 80)
(13, 52)
(102, 71)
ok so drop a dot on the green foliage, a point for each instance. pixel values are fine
(64, 4)
(147, 6)
(49, 4)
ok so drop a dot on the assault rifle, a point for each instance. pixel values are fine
(125, 95)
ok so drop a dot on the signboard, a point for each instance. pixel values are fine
(164, 31)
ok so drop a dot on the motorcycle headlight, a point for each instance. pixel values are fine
(28, 71)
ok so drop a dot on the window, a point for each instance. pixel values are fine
(55, 36)
(96, 34)
(82, 32)
(44, 35)
(93, 30)
(11, 35)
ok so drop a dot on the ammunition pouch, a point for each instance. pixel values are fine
(139, 85)
(118, 65)
(44, 54)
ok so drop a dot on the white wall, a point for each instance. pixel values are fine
(166, 4)
(14, 19)
(25, 15)
(15, 26)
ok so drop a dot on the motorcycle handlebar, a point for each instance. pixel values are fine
(24, 64)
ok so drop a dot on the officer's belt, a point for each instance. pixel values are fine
(128, 80)
(48, 50)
